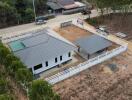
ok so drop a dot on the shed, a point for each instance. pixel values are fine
(93, 44)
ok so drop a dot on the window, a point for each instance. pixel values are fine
(38, 67)
(46, 63)
(69, 54)
(60, 58)
(55, 60)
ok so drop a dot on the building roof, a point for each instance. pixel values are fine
(42, 47)
(93, 44)
(66, 2)
(54, 5)
(58, 4)
(71, 6)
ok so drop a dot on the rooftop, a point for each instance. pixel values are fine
(41, 47)
(93, 44)
(66, 4)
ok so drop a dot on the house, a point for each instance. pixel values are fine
(60, 6)
(42, 51)
(91, 46)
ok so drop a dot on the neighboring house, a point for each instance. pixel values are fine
(42, 51)
(92, 46)
(60, 6)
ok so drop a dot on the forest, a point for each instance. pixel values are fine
(14, 12)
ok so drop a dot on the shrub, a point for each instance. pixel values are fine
(41, 90)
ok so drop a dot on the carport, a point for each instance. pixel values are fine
(92, 45)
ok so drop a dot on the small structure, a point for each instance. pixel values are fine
(121, 35)
(58, 6)
(42, 51)
(92, 45)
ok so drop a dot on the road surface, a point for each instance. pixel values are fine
(51, 23)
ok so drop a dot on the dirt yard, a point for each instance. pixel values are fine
(118, 23)
(72, 33)
(100, 82)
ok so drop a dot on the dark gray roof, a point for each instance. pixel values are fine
(42, 47)
(65, 2)
(93, 43)
(54, 5)
(58, 4)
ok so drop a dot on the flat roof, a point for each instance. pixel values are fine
(93, 44)
(42, 47)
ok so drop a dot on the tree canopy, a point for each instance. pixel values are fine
(13, 12)
(122, 5)
(44, 91)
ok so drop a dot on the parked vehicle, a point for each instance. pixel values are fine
(46, 17)
(84, 12)
(40, 22)
(103, 29)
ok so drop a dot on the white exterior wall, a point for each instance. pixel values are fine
(51, 63)
(83, 66)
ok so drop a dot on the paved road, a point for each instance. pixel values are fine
(51, 23)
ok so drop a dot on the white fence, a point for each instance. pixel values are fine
(94, 61)
(81, 67)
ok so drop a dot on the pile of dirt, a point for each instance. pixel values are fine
(94, 84)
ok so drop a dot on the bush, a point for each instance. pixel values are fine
(24, 76)
(5, 97)
(92, 21)
(41, 90)
(29, 15)
(3, 86)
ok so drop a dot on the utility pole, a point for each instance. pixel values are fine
(34, 10)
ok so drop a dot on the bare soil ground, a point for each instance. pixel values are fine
(72, 33)
(99, 82)
(118, 23)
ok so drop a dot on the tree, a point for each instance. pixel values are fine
(10, 58)
(5, 97)
(24, 76)
(7, 14)
(41, 90)
(40, 6)
(3, 53)
(29, 15)
(21, 7)
(15, 66)
(3, 86)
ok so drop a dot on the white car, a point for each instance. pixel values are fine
(121, 35)
(103, 29)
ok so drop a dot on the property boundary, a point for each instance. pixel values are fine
(91, 62)
(65, 24)
(82, 66)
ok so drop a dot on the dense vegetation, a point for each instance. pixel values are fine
(13, 12)
(112, 5)
(5, 90)
(14, 68)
